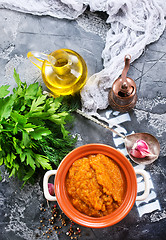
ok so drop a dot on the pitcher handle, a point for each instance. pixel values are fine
(37, 58)
(47, 175)
(147, 185)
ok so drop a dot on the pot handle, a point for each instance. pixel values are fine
(147, 185)
(47, 175)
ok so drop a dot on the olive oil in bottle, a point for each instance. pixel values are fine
(64, 71)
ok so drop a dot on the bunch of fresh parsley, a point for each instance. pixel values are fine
(33, 134)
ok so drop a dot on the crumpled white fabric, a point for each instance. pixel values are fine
(134, 24)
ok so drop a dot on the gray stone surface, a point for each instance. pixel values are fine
(20, 213)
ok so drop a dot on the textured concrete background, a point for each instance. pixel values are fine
(20, 33)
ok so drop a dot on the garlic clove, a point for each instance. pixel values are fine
(51, 189)
(142, 144)
(137, 154)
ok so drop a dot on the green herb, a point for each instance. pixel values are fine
(33, 130)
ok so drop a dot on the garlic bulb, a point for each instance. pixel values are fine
(140, 149)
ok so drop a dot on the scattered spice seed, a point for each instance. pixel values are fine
(37, 235)
(58, 221)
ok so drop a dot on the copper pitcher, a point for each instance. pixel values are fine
(122, 96)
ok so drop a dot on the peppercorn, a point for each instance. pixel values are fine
(57, 221)
(37, 235)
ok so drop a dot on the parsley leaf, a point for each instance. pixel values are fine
(3, 91)
(33, 133)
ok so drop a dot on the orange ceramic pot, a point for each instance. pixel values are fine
(63, 199)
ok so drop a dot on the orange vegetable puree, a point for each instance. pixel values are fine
(95, 185)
